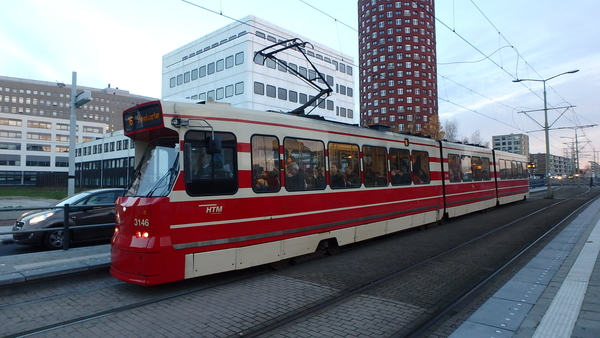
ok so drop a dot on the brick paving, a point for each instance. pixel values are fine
(232, 309)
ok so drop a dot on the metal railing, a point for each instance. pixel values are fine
(537, 183)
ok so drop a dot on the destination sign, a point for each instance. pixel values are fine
(143, 118)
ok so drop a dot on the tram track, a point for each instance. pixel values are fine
(423, 323)
(381, 285)
(433, 320)
(108, 285)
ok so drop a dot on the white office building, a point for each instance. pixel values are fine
(221, 67)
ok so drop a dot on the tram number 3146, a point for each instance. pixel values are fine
(141, 222)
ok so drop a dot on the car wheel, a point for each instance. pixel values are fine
(54, 239)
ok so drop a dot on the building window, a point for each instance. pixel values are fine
(239, 58)
(210, 95)
(271, 91)
(229, 91)
(282, 93)
(229, 62)
(239, 88)
(259, 88)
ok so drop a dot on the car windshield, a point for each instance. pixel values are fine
(156, 172)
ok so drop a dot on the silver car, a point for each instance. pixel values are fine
(86, 208)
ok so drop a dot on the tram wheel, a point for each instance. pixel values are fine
(332, 248)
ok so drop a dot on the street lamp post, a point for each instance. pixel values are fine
(549, 193)
(77, 101)
(72, 137)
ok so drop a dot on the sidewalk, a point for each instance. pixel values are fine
(554, 295)
(38, 265)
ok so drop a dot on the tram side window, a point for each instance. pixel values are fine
(502, 168)
(485, 169)
(525, 173)
(400, 166)
(375, 166)
(515, 170)
(344, 167)
(454, 168)
(420, 163)
(209, 173)
(305, 164)
(466, 169)
(265, 163)
(476, 168)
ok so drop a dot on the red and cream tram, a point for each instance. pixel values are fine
(219, 188)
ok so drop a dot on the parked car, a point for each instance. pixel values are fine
(86, 208)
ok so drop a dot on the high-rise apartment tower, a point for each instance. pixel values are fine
(397, 60)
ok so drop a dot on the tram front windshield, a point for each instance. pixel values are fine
(158, 169)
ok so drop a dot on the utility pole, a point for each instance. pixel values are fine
(77, 100)
(549, 193)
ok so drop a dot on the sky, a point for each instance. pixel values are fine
(482, 46)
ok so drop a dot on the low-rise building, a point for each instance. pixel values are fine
(513, 143)
(35, 123)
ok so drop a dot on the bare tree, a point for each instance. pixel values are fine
(451, 130)
(476, 137)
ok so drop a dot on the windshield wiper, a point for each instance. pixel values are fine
(169, 174)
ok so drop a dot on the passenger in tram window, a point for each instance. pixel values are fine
(337, 178)
(396, 176)
(378, 179)
(369, 177)
(290, 159)
(273, 180)
(310, 178)
(420, 177)
(319, 178)
(406, 177)
(485, 175)
(351, 178)
(262, 183)
(295, 179)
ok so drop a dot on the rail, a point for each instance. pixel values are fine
(66, 226)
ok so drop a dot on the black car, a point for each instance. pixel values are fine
(87, 208)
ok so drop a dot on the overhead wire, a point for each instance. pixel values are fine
(453, 30)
